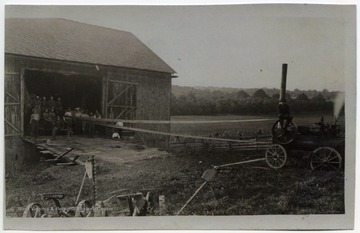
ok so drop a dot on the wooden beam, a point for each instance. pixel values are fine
(131, 110)
(65, 153)
(117, 117)
(122, 82)
(126, 95)
(120, 106)
(127, 111)
(26, 139)
(15, 99)
(10, 104)
(132, 96)
(12, 135)
(12, 126)
(118, 95)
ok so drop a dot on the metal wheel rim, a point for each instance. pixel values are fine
(284, 139)
(33, 210)
(325, 159)
(276, 156)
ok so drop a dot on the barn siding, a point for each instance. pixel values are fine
(152, 101)
(152, 98)
(12, 99)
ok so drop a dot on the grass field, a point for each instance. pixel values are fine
(252, 189)
(265, 126)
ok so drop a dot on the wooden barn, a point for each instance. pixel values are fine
(87, 66)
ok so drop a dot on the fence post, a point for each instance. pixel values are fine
(162, 205)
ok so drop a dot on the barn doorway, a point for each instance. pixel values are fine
(74, 91)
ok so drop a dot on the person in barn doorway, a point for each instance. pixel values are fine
(51, 103)
(34, 122)
(37, 104)
(52, 117)
(59, 107)
(45, 121)
(119, 130)
(77, 121)
(44, 105)
(58, 125)
(29, 105)
(69, 121)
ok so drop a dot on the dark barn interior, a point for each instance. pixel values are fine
(74, 90)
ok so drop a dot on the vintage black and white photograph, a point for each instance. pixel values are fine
(138, 113)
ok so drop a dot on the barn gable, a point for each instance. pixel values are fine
(68, 40)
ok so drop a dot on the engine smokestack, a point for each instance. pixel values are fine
(283, 83)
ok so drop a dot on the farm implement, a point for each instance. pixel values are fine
(322, 141)
(138, 204)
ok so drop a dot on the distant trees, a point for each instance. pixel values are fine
(277, 96)
(302, 97)
(242, 94)
(260, 94)
(209, 102)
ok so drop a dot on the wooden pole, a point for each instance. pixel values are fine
(22, 102)
(192, 197)
(81, 187)
(94, 178)
(242, 162)
(103, 97)
(106, 96)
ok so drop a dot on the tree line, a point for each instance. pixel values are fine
(204, 101)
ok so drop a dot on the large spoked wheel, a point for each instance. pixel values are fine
(284, 135)
(33, 210)
(325, 159)
(83, 209)
(276, 156)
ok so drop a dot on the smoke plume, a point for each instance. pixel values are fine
(339, 104)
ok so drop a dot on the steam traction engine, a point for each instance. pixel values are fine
(323, 141)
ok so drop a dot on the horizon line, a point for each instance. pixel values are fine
(197, 86)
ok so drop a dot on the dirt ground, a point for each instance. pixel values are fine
(250, 189)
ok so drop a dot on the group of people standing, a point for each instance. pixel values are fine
(44, 113)
(50, 116)
(79, 126)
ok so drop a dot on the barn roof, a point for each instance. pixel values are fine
(68, 40)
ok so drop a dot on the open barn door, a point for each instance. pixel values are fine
(13, 113)
(120, 99)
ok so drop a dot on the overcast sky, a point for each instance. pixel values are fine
(230, 46)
